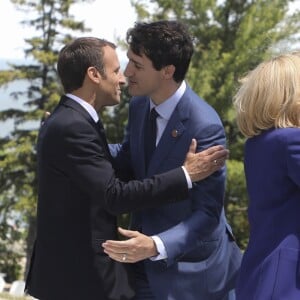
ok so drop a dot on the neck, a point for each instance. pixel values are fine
(88, 96)
(165, 92)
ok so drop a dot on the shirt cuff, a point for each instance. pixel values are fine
(160, 249)
(188, 178)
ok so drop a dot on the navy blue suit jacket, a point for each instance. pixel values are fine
(203, 260)
(271, 264)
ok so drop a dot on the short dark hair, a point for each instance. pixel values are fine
(164, 43)
(76, 57)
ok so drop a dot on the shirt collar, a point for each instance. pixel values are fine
(166, 108)
(88, 107)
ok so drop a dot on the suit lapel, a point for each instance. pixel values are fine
(76, 106)
(138, 138)
(171, 135)
(101, 131)
(98, 126)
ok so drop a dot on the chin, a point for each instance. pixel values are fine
(115, 102)
(132, 91)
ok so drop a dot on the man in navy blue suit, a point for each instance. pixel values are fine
(186, 250)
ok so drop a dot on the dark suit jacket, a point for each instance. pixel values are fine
(271, 264)
(203, 260)
(79, 198)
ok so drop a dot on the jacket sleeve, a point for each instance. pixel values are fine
(194, 233)
(90, 169)
(122, 158)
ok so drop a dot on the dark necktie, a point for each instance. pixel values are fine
(150, 136)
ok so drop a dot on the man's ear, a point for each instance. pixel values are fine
(93, 74)
(168, 71)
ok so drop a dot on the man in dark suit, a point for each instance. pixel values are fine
(79, 195)
(191, 254)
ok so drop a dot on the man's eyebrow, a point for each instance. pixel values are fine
(136, 62)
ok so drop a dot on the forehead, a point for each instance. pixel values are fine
(110, 57)
(140, 59)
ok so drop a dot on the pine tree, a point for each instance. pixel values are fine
(54, 26)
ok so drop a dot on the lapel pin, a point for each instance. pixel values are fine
(174, 133)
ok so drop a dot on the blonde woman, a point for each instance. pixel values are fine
(268, 114)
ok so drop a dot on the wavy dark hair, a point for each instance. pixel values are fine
(164, 43)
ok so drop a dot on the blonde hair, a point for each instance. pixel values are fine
(269, 96)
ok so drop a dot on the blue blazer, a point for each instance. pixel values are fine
(271, 263)
(203, 259)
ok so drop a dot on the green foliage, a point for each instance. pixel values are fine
(10, 261)
(18, 182)
(236, 201)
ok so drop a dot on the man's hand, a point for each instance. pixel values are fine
(136, 248)
(202, 164)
